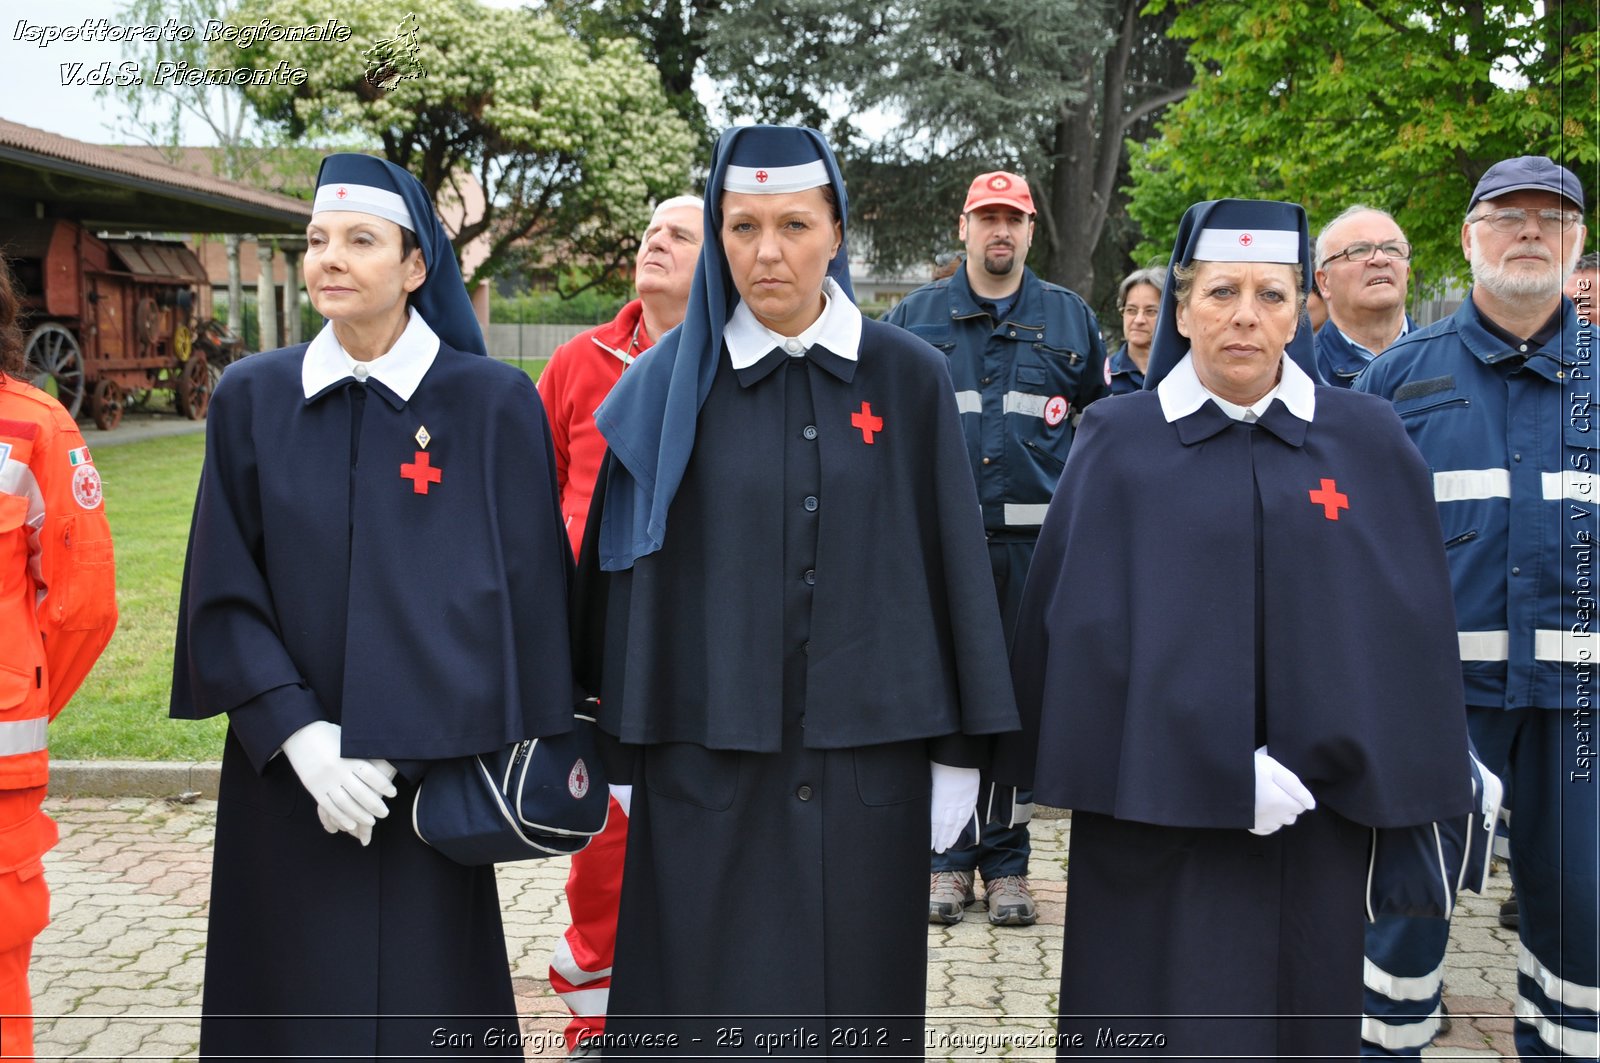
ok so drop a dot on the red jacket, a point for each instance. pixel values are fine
(580, 375)
(58, 601)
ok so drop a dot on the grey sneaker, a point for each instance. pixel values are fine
(1010, 901)
(949, 894)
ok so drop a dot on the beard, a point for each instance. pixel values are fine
(1002, 263)
(1516, 282)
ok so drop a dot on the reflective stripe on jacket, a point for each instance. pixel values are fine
(1020, 384)
(1511, 445)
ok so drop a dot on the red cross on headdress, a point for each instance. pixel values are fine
(761, 175)
(341, 193)
(1246, 239)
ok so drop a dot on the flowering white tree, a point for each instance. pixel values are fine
(571, 141)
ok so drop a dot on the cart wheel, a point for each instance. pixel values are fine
(106, 403)
(55, 365)
(194, 387)
(182, 343)
(146, 318)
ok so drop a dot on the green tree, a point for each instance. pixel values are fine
(1049, 88)
(919, 97)
(571, 141)
(1398, 104)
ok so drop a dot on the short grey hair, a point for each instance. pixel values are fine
(1156, 278)
(676, 201)
(1588, 262)
(1344, 215)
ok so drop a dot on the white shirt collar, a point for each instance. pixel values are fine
(1405, 327)
(1181, 394)
(838, 329)
(400, 369)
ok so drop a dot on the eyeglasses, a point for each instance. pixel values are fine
(1511, 219)
(1137, 312)
(1365, 252)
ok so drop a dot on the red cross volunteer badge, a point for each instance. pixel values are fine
(1055, 411)
(578, 779)
(1245, 239)
(86, 486)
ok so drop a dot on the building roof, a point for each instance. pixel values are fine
(47, 175)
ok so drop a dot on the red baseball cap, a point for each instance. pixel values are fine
(999, 187)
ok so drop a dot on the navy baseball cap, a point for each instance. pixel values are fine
(1528, 172)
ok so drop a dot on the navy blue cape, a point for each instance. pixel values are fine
(428, 625)
(905, 639)
(1135, 653)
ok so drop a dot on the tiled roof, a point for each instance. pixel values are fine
(21, 138)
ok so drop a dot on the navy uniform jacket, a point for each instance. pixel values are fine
(1135, 659)
(1122, 375)
(428, 624)
(1019, 384)
(904, 633)
(425, 614)
(1340, 361)
(1509, 436)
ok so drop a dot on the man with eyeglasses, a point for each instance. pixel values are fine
(1026, 358)
(1363, 264)
(1498, 398)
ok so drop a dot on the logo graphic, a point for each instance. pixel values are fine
(394, 59)
(1055, 411)
(578, 779)
(867, 422)
(1246, 239)
(761, 176)
(86, 486)
(999, 182)
(1331, 499)
(421, 472)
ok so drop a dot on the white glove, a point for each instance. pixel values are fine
(1280, 795)
(624, 796)
(955, 803)
(349, 791)
(1493, 791)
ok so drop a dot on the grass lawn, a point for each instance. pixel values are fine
(120, 712)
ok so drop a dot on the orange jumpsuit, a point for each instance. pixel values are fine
(57, 610)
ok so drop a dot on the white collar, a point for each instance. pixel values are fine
(1181, 394)
(400, 368)
(838, 328)
(1405, 327)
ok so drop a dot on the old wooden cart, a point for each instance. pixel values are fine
(111, 319)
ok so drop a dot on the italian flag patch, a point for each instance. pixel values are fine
(79, 456)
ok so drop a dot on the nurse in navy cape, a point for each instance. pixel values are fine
(1236, 657)
(788, 617)
(376, 579)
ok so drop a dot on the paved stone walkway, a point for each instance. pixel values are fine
(117, 975)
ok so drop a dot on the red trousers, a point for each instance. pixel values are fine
(580, 970)
(25, 832)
